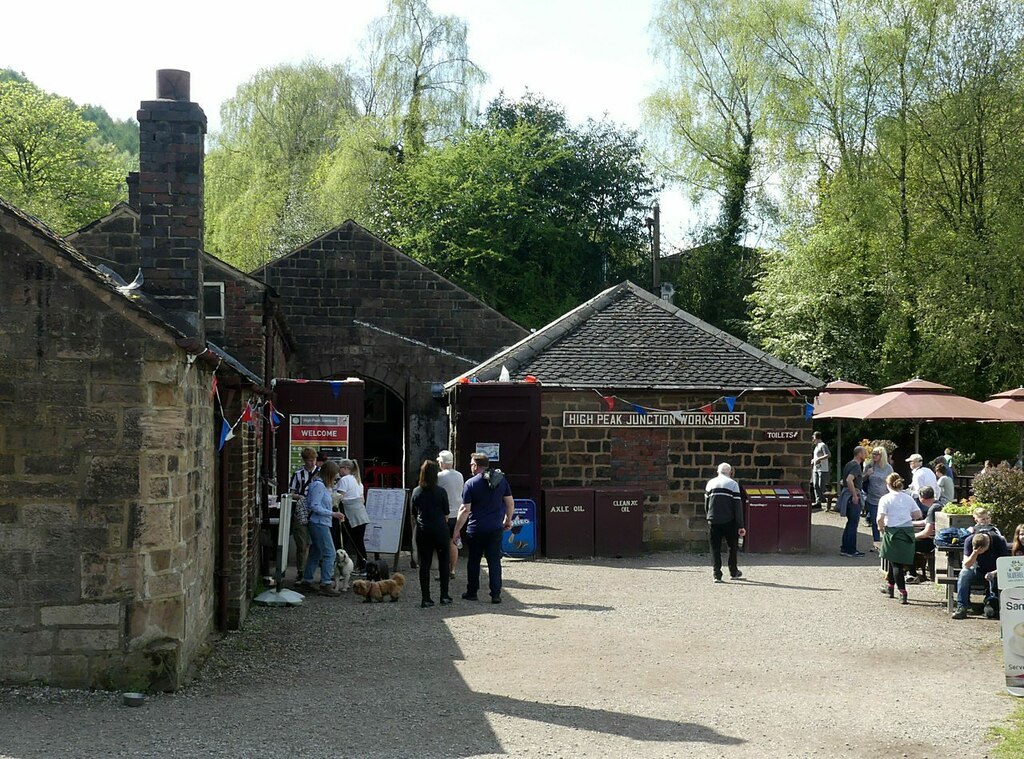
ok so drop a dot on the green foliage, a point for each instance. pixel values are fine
(962, 508)
(51, 163)
(898, 250)
(262, 169)
(524, 210)
(1003, 488)
(123, 135)
(419, 82)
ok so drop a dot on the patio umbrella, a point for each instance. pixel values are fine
(1013, 401)
(920, 401)
(832, 396)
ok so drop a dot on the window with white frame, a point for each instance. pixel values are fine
(213, 300)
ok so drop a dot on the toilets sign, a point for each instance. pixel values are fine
(653, 419)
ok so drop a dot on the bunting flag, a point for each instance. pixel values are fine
(225, 433)
(639, 409)
(474, 380)
(791, 391)
(730, 402)
(335, 388)
(808, 410)
(504, 375)
(247, 415)
(706, 408)
(213, 386)
(609, 401)
(275, 418)
(678, 416)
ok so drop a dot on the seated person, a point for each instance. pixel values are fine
(925, 537)
(983, 522)
(981, 550)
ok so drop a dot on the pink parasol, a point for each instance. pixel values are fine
(1012, 401)
(920, 401)
(832, 396)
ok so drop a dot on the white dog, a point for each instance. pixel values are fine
(343, 567)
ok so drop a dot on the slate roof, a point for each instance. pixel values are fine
(625, 337)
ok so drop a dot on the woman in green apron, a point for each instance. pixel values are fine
(896, 514)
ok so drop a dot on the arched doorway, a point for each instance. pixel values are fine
(383, 436)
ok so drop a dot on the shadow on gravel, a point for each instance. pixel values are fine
(604, 721)
(784, 587)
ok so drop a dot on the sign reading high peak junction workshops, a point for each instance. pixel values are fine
(653, 419)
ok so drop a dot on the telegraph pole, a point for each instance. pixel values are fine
(655, 225)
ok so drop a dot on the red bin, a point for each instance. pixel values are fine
(794, 519)
(761, 518)
(618, 521)
(568, 523)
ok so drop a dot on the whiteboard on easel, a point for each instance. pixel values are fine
(386, 509)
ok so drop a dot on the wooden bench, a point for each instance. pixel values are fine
(951, 582)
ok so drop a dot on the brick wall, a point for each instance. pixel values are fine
(106, 483)
(418, 327)
(672, 464)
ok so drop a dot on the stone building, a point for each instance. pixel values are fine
(358, 307)
(127, 535)
(635, 391)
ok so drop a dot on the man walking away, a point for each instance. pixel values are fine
(487, 508)
(819, 469)
(724, 510)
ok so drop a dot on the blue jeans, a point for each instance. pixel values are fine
(321, 551)
(849, 544)
(973, 576)
(873, 517)
(480, 545)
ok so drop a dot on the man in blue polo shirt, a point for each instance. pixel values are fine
(487, 508)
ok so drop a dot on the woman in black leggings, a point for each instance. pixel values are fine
(430, 507)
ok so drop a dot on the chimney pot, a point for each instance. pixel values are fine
(172, 84)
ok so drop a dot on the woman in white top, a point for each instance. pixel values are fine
(896, 514)
(356, 518)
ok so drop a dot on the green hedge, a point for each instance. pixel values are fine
(1003, 488)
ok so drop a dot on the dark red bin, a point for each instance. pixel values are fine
(618, 521)
(568, 523)
(761, 518)
(794, 519)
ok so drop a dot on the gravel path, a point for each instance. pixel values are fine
(640, 657)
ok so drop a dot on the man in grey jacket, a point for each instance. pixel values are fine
(724, 510)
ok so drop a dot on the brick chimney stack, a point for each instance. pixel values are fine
(171, 134)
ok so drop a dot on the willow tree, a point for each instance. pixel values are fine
(418, 78)
(711, 121)
(261, 193)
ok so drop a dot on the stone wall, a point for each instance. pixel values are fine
(358, 307)
(673, 464)
(106, 482)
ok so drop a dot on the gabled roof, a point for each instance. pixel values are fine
(625, 337)
(175, 327)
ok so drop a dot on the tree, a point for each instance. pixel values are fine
(713, 121)
(527, 212)
(419, 80)
(261, 192)
(51, 164)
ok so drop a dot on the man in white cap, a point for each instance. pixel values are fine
(922, 476)
(452, 481)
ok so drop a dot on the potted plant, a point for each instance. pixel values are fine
(957, 514)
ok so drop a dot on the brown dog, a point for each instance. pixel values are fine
(377, 589)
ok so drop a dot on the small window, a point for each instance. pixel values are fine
(213, 300)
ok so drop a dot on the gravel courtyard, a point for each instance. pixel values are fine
(641, 657)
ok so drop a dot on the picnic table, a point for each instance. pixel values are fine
(954, 563)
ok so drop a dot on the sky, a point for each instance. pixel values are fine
(591, 56)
